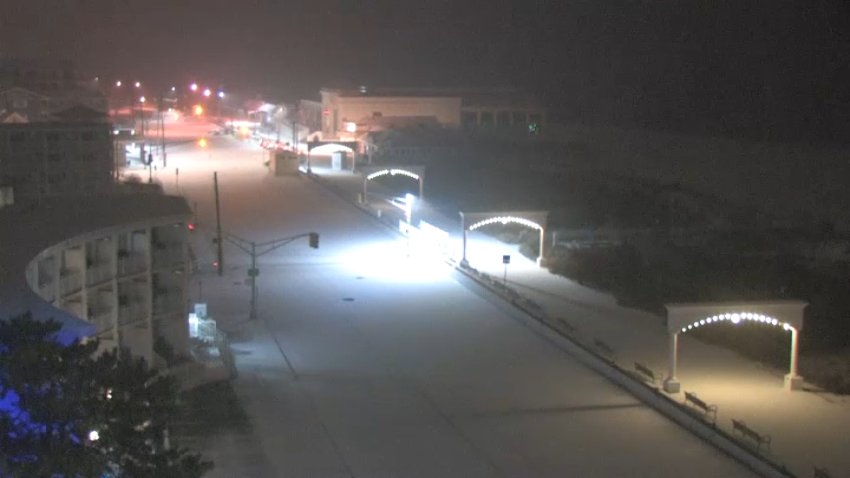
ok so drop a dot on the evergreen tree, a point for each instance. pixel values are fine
(67, 411)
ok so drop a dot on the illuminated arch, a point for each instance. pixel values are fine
(416, 173)
(684, 317)
(505, 220)
(331, 148)
(532, 219)
(351, 146)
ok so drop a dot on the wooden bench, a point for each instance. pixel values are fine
(700, 404)
(605, 349)
(566, 326)
(646, 373)
(744, 430)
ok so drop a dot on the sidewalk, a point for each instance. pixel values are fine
(807, 428)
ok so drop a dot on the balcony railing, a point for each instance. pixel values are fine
(102, 319)
(131, 263)
(98, 273)
(134, 311)
(70, 282)
(168, 303)
(171, 255)
(46, 291)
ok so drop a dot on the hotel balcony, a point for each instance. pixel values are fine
(70, 282)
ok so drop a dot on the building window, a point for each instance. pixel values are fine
(469, 119)
(486, 119)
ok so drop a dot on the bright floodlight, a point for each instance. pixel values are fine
(173, 88)
(118, 83)
(198, 110)
(94, 435)
(142, 99)
(202, 142)
(138, 84)
(221, 94)
(207, 92)
(193, 87)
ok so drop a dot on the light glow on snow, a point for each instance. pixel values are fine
(397, 260)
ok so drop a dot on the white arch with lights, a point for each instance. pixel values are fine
(416, 173)
(684, 317)
(471, 221)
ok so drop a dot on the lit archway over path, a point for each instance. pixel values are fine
(352, 145)
(471, 221)
(416, 173)
(684, 317)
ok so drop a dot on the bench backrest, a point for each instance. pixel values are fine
(692, 397)
(644, 370)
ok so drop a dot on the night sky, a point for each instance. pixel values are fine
(764, 69)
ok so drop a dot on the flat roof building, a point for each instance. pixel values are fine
(347, 114)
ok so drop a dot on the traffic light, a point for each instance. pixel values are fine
(314, 240)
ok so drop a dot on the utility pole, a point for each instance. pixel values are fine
(218, 225)
(253, 273)
(295, 128)
(161, 129)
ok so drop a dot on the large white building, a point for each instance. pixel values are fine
(113, 267)
(347, 114)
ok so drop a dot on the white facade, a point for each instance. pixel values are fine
(129, 281)
(113, 267)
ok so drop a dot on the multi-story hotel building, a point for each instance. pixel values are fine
(113, 267)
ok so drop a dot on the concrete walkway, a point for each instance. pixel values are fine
(807, 428)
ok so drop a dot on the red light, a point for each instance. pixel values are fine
(215, 265)
(191, 227)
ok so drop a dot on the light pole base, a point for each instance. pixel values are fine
(672, 385)
(793, 382)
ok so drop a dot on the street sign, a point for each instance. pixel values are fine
(506, 259)
(253, 272)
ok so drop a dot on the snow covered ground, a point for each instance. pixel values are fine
(366, 362)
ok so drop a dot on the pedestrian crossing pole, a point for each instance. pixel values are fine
(219, 255)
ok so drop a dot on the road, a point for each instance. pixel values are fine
(366, 363)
